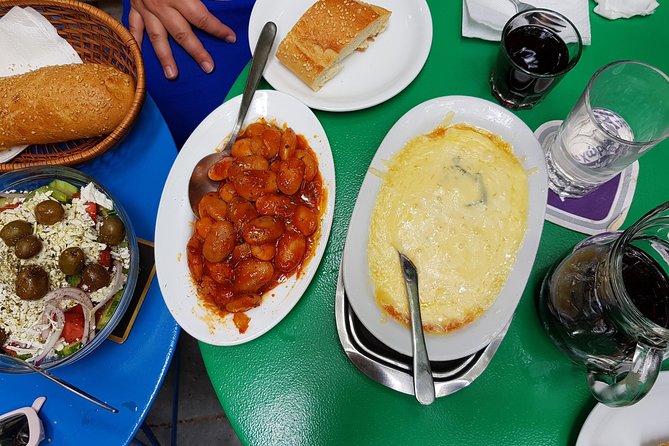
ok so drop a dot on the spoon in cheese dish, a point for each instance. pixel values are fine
(423, 382)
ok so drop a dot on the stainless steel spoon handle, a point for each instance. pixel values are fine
(72, 388)
(258, 62)
(423, 381)
(4, 359)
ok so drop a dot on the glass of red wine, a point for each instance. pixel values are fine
(538, 48)
(606, 306)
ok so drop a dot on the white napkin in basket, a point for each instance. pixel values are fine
(28, 41)
(485, 19)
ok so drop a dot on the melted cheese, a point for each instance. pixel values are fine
(455, 202)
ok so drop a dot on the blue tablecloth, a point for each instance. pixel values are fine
(129, 375)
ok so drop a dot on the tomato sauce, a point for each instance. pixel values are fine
(262, 226)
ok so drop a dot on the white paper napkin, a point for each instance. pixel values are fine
(28, 41)
(484, 19)
(616, 9)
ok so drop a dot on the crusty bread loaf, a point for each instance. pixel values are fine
(329, 31)
(62, 103)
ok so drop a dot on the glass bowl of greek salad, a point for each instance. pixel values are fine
(68, 265)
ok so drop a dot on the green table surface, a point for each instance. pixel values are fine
(295, 386)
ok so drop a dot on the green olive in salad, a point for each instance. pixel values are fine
(27, 247)
(32, 282)
(14, 231)
(112, 230)
(49, 212)
(63, 269)
(72, 261)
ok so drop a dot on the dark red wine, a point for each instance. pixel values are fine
(538, 52)
(647, 285)
(537, 49)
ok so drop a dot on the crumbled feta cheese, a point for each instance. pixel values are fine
(92, 194)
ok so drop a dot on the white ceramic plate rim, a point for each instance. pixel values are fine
(367, 78)
(420, 120)
(10, 154)
(174, 221)
(644, 423)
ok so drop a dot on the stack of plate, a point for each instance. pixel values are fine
(393, 369)
(381, 346)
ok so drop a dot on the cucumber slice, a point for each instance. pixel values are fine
(73, 280)
(64, 188)
(69, 349)
(58, 195)
(106, 212)
(34, 192)
(109, 310)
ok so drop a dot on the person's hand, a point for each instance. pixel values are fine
(175, 17)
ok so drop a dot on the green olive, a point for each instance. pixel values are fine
(94, 277)
(112, 230)
(28, 246)
(71, 261)
(49, 212)
(32, 282)
(14, 231)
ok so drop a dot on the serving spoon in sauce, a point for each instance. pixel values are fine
(21, 363)
(423, 382)
(200, 184)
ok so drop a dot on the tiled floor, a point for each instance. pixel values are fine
(200, 418)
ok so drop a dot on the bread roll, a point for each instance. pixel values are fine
(329, 31)
(62, 103)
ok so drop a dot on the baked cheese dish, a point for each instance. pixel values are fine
(455, 202)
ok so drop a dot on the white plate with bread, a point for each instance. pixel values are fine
(452, 238)
(317, 41)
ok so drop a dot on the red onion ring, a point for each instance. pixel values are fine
(116, 287)
(12, 195)
(50, 312)
(80, 297)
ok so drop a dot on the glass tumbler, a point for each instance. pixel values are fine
(606, 306)
(538, 48)
(622, 114)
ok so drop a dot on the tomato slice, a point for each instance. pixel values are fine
(10, 206)
(91, 209)
(105, 258)
(73, 330)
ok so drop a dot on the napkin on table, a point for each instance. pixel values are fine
(28, 41)
(485, 19)
(616, 9)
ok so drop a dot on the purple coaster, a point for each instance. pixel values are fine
(600, 211)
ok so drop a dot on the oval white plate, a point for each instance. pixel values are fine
(420, 120)
(367, 78)
(174, 225)
(643, 424)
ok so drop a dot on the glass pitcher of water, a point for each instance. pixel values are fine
(606, 306)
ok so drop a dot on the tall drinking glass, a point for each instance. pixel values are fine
(622, 114)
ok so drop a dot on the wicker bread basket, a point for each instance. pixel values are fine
(97, 37)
